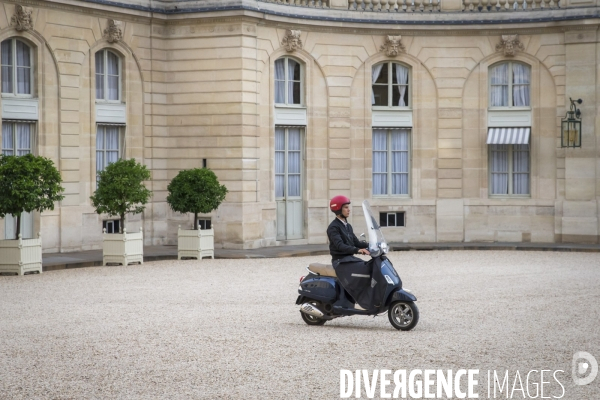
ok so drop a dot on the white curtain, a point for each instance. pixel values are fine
(520, 85)
(112, 76)
(8, 144)
(100, 74)
(499, 168)
(7, 69)
(399, 144)
(402, 76)
(499, 85)
(23, 139)
(100, 149)
(280, 81)
(294, 160)
(107, 146)
(293, 86)
(520, 169)
(23, 68)
(375, 75)
(279, 162)
(380, 161)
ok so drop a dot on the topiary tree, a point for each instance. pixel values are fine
(195, 191)
(121, 189)
(28, 183)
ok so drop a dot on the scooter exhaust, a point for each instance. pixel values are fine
(310, 309)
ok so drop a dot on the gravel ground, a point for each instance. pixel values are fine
(229, 329)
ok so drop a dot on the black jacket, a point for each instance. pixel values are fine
(342, 241)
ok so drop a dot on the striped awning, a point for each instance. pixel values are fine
(508, 135)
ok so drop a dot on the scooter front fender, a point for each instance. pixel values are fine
(400, 295)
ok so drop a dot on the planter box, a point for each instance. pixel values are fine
(195, 244)
(123, 248)
(21, 256)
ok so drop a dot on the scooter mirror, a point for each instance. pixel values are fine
(362, 235)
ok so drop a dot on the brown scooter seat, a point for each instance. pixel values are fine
(322, 269)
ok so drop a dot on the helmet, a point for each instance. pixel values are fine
(337, 203)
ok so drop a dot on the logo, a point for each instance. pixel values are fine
(585, 368)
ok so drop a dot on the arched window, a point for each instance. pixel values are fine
(390, 85)
(509, 85)
(16, 68)
(108, 76)
(288, 82)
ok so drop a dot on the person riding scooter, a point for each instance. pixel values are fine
(354, 274)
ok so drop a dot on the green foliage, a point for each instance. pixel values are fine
(121, 189)
(195, 191)
(28, 183)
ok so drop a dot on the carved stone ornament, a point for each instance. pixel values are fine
(510, 44)
(22, 20)
(392, 46)
(291, 41)
(114, 31)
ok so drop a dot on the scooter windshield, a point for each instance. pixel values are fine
(377, 243)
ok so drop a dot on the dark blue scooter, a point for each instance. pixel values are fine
(322, 298)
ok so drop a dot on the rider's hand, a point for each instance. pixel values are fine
(364, 252)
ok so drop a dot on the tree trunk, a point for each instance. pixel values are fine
(122, 223)
(195, 221)
(18, 231)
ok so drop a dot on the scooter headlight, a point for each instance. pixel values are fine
(389, 280)
(384, 247)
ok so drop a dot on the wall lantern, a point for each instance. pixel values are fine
(571, 126)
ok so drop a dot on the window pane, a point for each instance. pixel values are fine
(7, 139)
(380, 95)
(112, 63)
(520, 85)
(391, 219)
(280, 92)
(99, 161)
(112, 87)
(499, 85)
(383, 74)
(521, 169)
(99, 86)
(294, 68)
(279, 186)
(294, 185)
(23, 55)
(294, 162)
(294, 139)
(23, 139)
(279, 162)
(7, 52)
(112, 138)
(23, 80)
(400, 88)
(499, 169)
(400, 139)
(279, 139)
(100, 62)
(280, 69)
(379, 184)
(295, 93)
(7, 79)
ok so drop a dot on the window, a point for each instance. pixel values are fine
(391, 219)
(204, 223)
(17, 138)
(288, 82)
(391, 161)
(288, 162)
(111, 226)
(108, 76)
(509, 169)
(16, 68)
(509, 85)
(108, 145)
(390, 85)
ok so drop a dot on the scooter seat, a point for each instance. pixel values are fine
(322, 269)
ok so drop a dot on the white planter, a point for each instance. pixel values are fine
(21, 256)
(195, 244)
(123, 248)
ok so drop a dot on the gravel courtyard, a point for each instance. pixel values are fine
(229, 329)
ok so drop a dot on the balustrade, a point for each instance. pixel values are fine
(509, 5)
(302, 3)
(394, 6)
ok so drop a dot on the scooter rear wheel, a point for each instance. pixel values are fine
(403, 315)
(311, 319)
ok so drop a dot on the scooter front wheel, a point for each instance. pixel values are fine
(403, 315)
(311, 319)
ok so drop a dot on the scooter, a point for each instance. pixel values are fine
(322, 298)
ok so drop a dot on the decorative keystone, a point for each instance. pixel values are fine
(510, 44)
(22, 20)
(291, 41)
(392, 46)
(114, 31)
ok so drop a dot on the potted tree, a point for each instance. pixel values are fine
(195, 191)
(121, 191)
(27, 183)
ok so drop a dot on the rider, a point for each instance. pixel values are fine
(342, 241)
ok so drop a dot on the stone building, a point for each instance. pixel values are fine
(445, 115)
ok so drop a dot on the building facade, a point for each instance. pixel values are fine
(445, 115)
